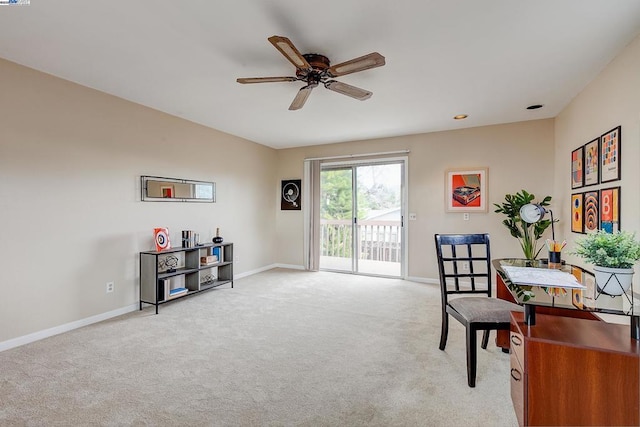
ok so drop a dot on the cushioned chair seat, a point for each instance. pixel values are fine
(482, 309)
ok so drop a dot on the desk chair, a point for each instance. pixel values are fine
(484, 313)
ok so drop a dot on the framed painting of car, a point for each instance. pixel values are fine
(466, 190)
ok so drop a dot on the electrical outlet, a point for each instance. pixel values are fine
(465, 216)
(465, 266)
(110, 286)
(413, 217)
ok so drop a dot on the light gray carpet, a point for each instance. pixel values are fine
(282, 348)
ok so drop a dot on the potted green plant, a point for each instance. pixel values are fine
(527, 234)
(613, 256)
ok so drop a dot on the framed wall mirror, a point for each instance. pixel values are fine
(160, 189)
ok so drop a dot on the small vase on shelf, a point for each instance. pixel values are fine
(218, 238)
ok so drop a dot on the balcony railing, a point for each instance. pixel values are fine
(377, 240)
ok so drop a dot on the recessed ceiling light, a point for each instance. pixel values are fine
(534, 106)
(460, 117)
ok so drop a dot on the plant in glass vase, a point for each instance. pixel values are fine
(613, 256)
(526, 233)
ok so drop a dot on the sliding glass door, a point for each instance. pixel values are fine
(361, 211)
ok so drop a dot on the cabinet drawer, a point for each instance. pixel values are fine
(517, 387)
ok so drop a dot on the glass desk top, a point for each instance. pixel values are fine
(589, 298)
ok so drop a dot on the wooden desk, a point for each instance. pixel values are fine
(569, 371)
(502, 339)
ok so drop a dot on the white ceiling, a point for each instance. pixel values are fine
(486, 58)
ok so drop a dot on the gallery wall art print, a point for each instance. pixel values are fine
(610, 209)
(592, 162)
(577, 168)
(591, 211)
(610, 155)
(577, 213)
(466, 190)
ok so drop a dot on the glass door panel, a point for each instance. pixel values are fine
(379, 219)
(336, 219)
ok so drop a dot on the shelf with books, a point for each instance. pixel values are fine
(175, 273)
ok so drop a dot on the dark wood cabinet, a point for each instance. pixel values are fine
(502, 338)
(571, 371)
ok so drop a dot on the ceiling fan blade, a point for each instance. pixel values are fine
(301, 97)
(371, 60)
(345, 89)
(245, 80)
(287, 48)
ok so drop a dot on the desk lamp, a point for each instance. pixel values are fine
(532, 213)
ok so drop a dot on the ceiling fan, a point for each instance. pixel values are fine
(315, 69)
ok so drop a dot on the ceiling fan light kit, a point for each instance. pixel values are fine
(315, 69)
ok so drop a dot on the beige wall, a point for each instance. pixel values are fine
(513, 153)
(70, 165)
(610, 100)
(71, 160)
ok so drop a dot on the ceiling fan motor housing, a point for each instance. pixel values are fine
(319, 64)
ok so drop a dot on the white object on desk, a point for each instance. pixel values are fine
(542, 277)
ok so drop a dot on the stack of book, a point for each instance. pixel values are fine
(164, 288)
(208, 260)
(176, 292)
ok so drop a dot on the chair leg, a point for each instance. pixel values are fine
(485, 338)
(444, 331)
(471, 356)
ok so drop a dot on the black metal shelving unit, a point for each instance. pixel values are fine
(164, 270)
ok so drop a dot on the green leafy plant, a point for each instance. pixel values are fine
(614, 250)
(527, 234)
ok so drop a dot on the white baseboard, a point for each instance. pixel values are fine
(424, 280)
(36, 336)
(265, 268)
(252, 272)
(290, 266)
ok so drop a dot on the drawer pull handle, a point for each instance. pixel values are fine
(516, 340)
(515, 374)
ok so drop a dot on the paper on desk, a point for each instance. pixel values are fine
(542, 277)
